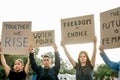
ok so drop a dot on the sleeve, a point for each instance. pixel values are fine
(57, 63)
(76, 65)
(34, 66)
(11, 73)
(111, 64)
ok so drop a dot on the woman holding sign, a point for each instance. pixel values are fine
(19, 71)
(114, 65)
(84, 67)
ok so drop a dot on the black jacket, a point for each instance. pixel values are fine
(46, 74)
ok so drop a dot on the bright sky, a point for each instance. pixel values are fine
(46, 15)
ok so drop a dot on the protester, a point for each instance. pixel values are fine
(46, 72)
(113, 65)
(84, 67)
(19, 71)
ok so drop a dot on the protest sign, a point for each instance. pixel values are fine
(16, 37)
(110, 28)
(43, 38)
(78, 29)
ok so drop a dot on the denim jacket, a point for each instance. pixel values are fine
(113, 65)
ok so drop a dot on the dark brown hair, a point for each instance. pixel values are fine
(88, 60)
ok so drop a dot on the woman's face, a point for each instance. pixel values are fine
(18, 66)
(83, 58)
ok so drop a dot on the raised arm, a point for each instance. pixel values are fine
(4, 64)
(55, 48)
(57, 59)
(33, 63)
(27, 66)
(93, 58)
(72, 61)
(113, 65)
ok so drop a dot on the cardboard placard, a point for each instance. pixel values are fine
(78, 29)
(110, 28)
(43, 38)
(16, 37)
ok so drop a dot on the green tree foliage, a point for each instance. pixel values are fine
(65, 67)
(2, 73)
(104, 72)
